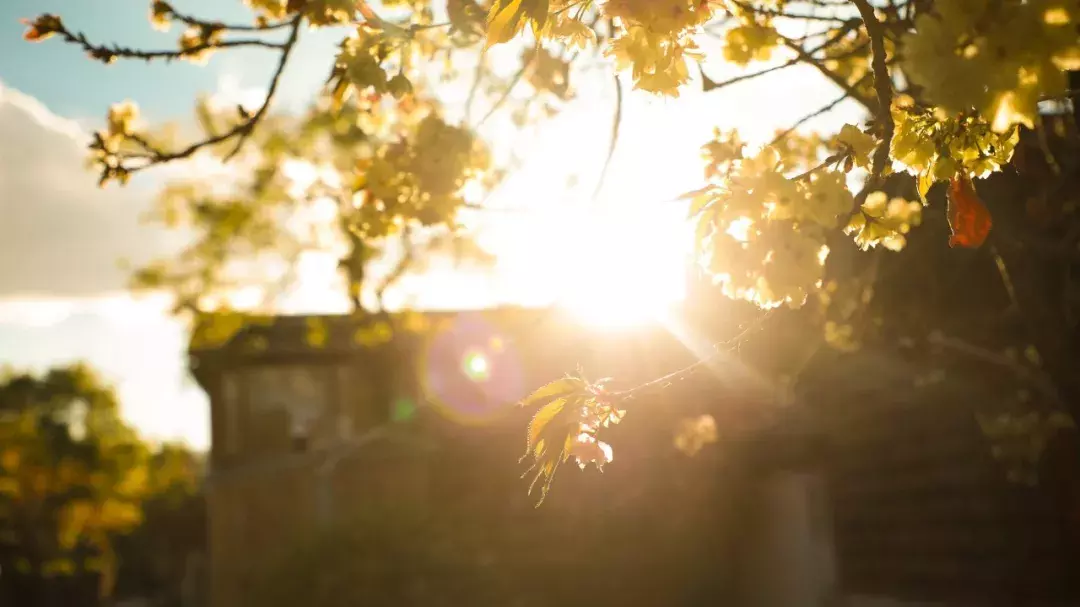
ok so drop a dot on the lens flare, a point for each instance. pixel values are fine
(476, 366)
(469, 370)
(403, 409)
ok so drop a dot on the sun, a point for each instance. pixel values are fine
(612, 246)
(610, 267)
(626, 267)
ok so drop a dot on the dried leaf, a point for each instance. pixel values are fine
(969, 219)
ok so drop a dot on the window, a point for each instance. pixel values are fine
(287, 405)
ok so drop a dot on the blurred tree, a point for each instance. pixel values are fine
(74, 478)
(160, 559)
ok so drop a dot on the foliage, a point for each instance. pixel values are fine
(74, 478)
(949, 89)
(571, 411)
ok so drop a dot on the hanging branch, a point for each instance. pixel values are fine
(615, 127)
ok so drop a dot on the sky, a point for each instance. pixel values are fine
(62, 288)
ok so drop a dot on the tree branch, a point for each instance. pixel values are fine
(196, 22)
(710, 85)
(249, 126)
(807, 118)
(615, 126)
(107, 54)
(241, 131)
(835, 78)
(882, 85)
(402, 266)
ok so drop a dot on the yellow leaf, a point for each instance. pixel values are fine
(508, 17)
(926, 180)
(574, 32)
(558, 387)
(540, 421)
(700, 202)
(859, 143)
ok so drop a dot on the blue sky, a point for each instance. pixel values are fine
(61, 292)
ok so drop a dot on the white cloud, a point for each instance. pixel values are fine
(61, 235)
(130, 340)
(38, 313)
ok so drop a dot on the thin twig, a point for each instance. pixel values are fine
(402, 266)
(719, 349)
(476, 83)
(831, 160)
(1037, 378)
(807, 118)
(506, 93)
(249, 126)
(766, 12)
(833, 77)
(710, 85)
(108, 54)
(616, 123)
(196, 22)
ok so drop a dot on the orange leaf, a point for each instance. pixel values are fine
(41, 28)
(968, 218)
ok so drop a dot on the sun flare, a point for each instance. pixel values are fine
(611, 268)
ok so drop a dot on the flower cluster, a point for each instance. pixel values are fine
(362, 63)
(881, 221)
(761, 234)
(566, 426)
(419, 177)
(655, 40)
(998, 58)
(936, 146)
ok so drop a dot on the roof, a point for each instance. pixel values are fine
(248, 333)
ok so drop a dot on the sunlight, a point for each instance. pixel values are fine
(624, 271)
(611, 268)
(615, 260)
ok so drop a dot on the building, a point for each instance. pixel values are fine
(850, 493)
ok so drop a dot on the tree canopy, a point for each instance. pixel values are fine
(961, 93)
(75, 479)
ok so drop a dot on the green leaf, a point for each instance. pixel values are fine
(556, 388)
